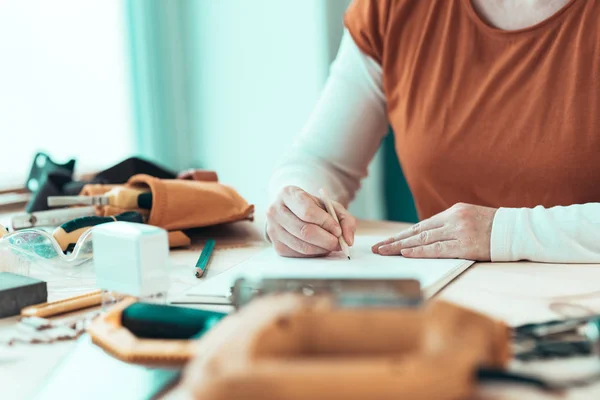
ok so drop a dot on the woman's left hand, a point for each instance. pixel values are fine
(462, 231)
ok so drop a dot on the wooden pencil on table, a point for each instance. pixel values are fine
(204, 259)
(331, 211)
(54, 308)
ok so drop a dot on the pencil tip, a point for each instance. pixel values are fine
(348, 257)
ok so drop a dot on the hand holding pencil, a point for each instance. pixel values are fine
(331, 210)
(299, 225)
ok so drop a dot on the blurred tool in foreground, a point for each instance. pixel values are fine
(569, 337)
(435, 352)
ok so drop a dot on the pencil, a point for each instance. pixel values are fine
(331, 211)
(54, 308)
(204, 258)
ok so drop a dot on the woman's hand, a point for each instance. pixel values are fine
(299, 226)
(462, 231)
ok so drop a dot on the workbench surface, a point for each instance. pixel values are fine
(515, 292)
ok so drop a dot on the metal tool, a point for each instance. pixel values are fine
(346, 293)
(63, 201)
(558, 338)
(122, 197)
(50, 218)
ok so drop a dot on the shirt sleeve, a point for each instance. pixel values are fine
(559, 234)
(366, 21)
(343, 133)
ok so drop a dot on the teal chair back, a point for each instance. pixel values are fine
(399, 203)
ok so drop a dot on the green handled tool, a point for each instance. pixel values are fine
(69, 233)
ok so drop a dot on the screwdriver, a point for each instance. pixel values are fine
(125, 198)
(69, 233)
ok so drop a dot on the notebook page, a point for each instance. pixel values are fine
(433, 274)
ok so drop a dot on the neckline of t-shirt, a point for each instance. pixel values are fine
(468, 4)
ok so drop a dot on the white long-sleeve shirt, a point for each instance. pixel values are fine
(344, 132)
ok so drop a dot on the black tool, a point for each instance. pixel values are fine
(42, 166)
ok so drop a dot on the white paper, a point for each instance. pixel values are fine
(432, 273)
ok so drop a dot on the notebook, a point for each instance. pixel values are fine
(433, 274)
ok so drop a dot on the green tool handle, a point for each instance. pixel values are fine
(69, 233)
(155, 321)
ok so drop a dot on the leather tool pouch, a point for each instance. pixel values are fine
(182, 204)
(179, 204)
(293, 347)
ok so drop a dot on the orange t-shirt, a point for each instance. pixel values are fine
(485, 116)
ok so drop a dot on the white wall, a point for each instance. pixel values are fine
(260, 67)
(64, 84)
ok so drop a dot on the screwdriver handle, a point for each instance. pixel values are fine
(128, 198)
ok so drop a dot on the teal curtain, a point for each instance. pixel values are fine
(399, 204)
(162, 64)
(160, 71)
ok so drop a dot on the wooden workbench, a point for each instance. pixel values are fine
(516, 292)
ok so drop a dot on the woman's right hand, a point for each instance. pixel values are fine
(299, 226)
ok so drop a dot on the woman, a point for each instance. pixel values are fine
(495, 107)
